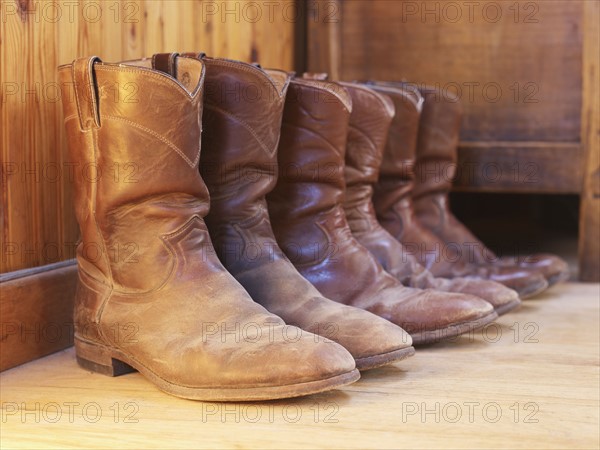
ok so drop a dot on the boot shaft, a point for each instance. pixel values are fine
(370, 122)
(435, 168)
(311, 150)
(243, 107)
(134, 139)
(305, 206)
(392, 192)
(396, 178)
(242, 121)
(369, 125)
(437, 143)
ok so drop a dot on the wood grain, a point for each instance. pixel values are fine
(531, 380)
(37, 221)
(36, 310)
(524, 167)
(521, 105)
(589, 244)
(324, 37)
(515, 65)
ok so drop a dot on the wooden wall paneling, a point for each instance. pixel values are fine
(538, 72)
(133, 25)
(324, 24)
(164, 29)
(11, 113)
(68, 34)
(589, 242)
(211, 36)
(238, 30)
(264, 31)
(28, 118)
(536, 42)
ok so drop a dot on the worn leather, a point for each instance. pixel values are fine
(239, 166)
(150, 285)
(310, 225)
(370, 122)
(435, 166)
(393, 203)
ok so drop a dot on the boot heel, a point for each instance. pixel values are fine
(97, 358)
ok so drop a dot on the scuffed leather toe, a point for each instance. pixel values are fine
(364, 334)
(527, 283)
(502, 298)
(428, 310)
(553, 268)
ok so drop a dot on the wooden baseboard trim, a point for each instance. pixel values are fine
(36, 312)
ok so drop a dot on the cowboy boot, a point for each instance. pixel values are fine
(151, 294)
(238, 164)
(368, 132)
(436, 157)
(310, 225)
(393, 203)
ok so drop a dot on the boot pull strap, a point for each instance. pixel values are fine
(86, 96)
(165, 62)
(197, 55)
(319, 76)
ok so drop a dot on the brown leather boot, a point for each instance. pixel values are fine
(368, 132)
(394, 208)
(310, 225)
(436, 157)
(152, 296)
(239, 163)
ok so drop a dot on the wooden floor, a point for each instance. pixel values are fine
(531, 381)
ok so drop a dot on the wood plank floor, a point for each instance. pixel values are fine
(531, 381)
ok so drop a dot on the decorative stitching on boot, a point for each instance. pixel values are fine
(191, 163)
(244, 124)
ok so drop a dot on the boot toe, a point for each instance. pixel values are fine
(502, 298)
(427, 311)
(527, 283)
(451, 309)
(377, 335)
(553, 268)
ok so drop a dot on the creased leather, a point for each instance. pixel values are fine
(370, 122)
(308, 218)
(436, 159)
(239, 164)
(153, 271)
(394, 205)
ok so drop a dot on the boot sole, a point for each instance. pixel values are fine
(113, 362)
(430, 337)
(508, 307)
(558, 278)
(534, 290)
(383, 359)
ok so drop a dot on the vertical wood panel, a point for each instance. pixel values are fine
(37, 223)
(515, 65)
(324, 28)
(589, 244)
